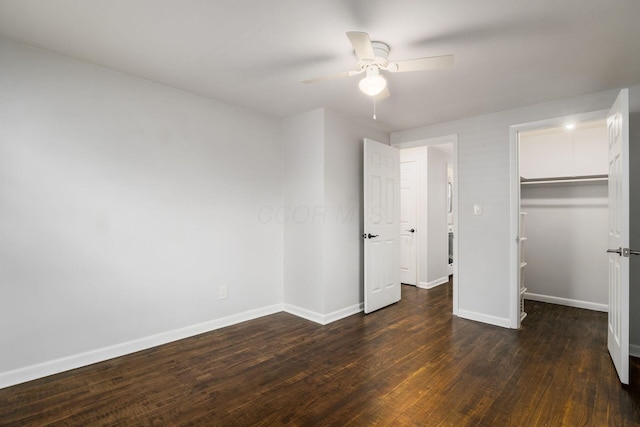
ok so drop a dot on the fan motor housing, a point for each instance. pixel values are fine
(381, 52)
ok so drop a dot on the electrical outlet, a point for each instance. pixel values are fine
(222, 292)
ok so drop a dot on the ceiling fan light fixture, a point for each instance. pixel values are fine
(373, 84)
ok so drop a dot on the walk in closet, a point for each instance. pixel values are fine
(564, 194)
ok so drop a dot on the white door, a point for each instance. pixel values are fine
(618, 320)
(381, 225)
(408, 221)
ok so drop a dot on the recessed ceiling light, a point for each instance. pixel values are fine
(570, 126)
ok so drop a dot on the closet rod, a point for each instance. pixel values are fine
(557, 179)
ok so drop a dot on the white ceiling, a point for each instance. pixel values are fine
(254, 53)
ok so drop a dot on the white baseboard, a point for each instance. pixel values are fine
(634, 350)
(345, 312)
(29, 373)
(56, 366)
(433, 283)
(484, 318)
(304, 313)
(323, 319)
(568, 302)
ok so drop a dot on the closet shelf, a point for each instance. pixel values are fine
(564, 179)
(523, 215)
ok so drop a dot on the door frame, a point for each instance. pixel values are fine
(445, 139)
(514, 184)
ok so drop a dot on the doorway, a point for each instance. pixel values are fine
(426, 215)
(566, 185)
(617, 248)
(564, 213)
(428, 249)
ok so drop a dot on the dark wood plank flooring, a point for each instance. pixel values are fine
(411, 364)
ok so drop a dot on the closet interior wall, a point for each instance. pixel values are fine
(566, 218)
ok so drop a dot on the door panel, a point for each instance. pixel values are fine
(408, 222)
(381, 225)
(618, 318)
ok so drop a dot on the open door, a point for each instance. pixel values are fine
(618, 252)
(381, 225)
(408, 219)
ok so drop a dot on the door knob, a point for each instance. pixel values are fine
(625, 252)
(369, 236)
(412, 230)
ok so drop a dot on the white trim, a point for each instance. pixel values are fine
(484, 318)
(432, 284)
(514, 205)
(304, 313)
(323, 319)
(40, 370)
(342, 313)
(28, 373)
(445, 139)
(634, 350)
(456, 228)
(567, 301)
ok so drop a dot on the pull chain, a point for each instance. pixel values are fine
(374, 108)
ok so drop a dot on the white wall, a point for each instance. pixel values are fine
(484, 177)
(437, 230)
(343, 180)
(323, 247)
(302, 211)
(634, 215)
(566, 230)
(124, 206)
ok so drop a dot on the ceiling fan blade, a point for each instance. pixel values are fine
(421, 64)
(361, 44)
(383, 95)
(329, 77)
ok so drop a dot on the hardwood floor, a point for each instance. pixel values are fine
(411, 364)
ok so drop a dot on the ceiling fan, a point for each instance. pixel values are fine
(373, 58)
